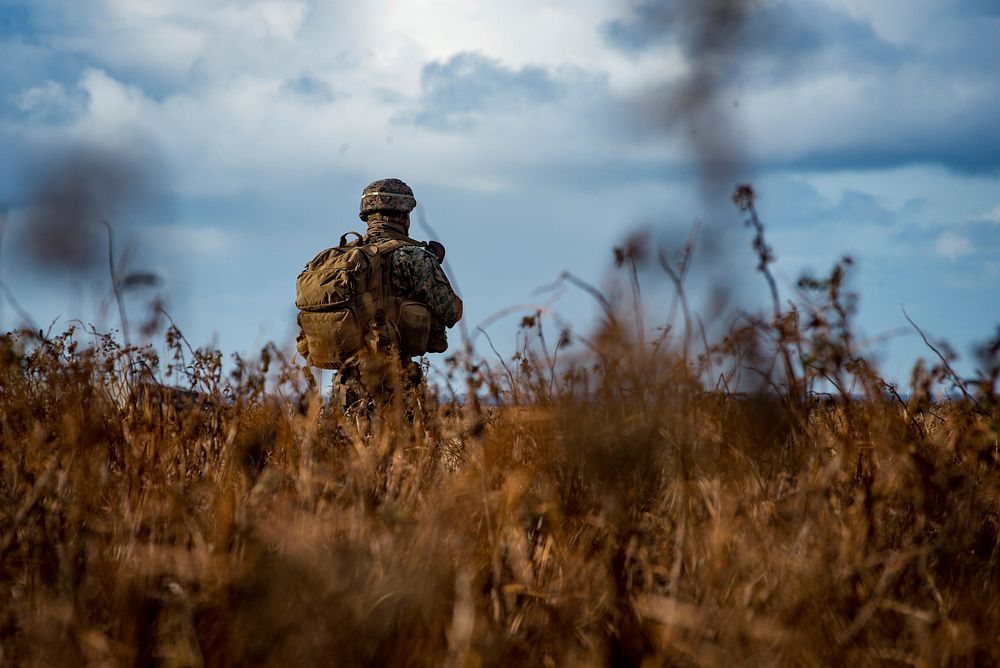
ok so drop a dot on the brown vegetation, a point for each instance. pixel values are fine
(604, 509)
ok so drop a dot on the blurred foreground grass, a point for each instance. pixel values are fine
(613, 507)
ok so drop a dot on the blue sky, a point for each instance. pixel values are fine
(232, 140)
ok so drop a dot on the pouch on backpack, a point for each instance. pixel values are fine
(330, 337)
(414, 327)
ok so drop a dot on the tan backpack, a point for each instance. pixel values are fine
(346, 305)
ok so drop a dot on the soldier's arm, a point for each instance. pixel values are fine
(420, 276)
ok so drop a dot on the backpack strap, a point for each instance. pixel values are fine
(389, 245)
(343, 238)
(383, 250)
(414, 242)
(381, 282)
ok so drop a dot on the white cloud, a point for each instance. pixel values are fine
(112, 106)
(167, 40)
(160, 47)
(48, 95)
(220, 138)
(894, 116)
(953, 246)
(895, 20)
(207, 80)
(992, 216)
(280, 19)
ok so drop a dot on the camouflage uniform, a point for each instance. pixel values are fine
(416, 274)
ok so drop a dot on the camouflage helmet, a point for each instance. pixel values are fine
(390, 196)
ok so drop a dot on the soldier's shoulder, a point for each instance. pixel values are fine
(411, 253)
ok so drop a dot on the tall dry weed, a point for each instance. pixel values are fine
(627, 503)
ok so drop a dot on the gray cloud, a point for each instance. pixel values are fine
(26, 64)
(975, 241)
(310, 88)
(898, 239)
(773, 39)
(858, 207)
(455, 91)
(802, 206)
(928, 101)
(972, 148)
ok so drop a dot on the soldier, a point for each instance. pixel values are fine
(363, 302)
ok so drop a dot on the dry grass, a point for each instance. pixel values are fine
(617, 513)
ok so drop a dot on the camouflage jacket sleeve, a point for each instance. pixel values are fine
(417, 275)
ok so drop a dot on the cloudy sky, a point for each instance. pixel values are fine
(228, 140)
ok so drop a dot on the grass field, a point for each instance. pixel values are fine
(614, 506)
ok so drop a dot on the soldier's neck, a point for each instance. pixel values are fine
(384, 227)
